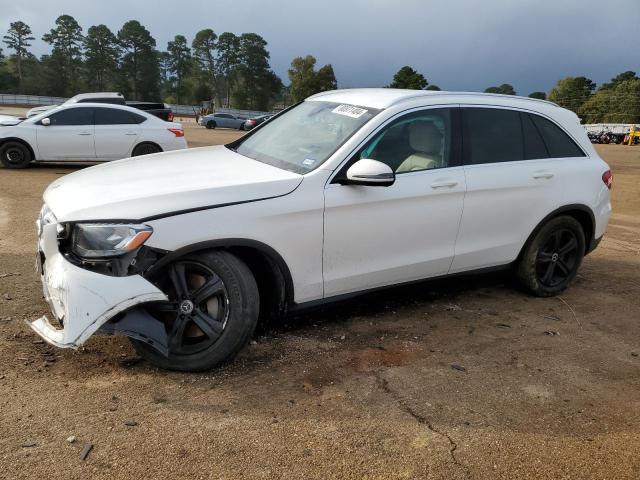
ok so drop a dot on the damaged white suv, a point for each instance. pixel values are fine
(346, 192)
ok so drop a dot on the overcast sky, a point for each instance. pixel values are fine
(456, 44)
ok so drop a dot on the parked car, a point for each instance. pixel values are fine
(254, 122)
(114, 98)
(160, 110)
(347, 192)
(87, 132)
(222, 120)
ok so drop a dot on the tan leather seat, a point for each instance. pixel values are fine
(426, 141)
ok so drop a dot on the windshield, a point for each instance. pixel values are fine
(301, 139)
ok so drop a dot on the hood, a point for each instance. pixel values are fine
(164, 183)
(9, 120)
(38, 110)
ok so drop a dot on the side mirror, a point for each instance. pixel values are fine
(371, 173)
(46, 122)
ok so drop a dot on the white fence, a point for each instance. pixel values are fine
(610, 127)
(35, 100)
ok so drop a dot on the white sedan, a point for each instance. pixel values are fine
(87, 132)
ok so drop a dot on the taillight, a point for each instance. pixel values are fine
(251, 122)
(170, 117)
(607, 178)
(178, 132)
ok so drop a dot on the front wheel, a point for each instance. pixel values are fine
(211, 124)
(551, 259)
(15, 155)
(211, 313)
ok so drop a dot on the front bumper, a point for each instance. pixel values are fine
(81, 300)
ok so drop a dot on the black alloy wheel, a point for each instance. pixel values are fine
(211, 312)
(557, 258)
(198, 307)
(550, 260)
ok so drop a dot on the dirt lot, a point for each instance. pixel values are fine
(450, 379)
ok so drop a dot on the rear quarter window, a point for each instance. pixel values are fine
(558, 143)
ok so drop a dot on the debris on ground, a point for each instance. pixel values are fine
(130, 423)
(460, 368)
(452, 307)
(29, 444)
(129, 361)
(503, 325)
(85, 451)
(551, 333)
(7, 296)
(71, 439)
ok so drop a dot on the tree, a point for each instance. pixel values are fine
(326, 79)
(407, 77)
(140, 63)
(228, 46)
(504, 89)
(204, 54)
(614, 104)
(102, 54)
(179, 64)
(618, 79)
(18, 39)
(538, 95)
(256, 83)
(433, 87)
(572, 92)
(305, 80)
(67, 41)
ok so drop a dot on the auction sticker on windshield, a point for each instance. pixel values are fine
(349, 111)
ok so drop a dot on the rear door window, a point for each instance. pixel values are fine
(558, 143)
(112, 116)
(492, 135)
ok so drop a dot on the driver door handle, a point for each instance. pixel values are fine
(444, 184)
(85, 133)
(131, 133)
(543, 174)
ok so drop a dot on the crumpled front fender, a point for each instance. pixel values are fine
(80, 299)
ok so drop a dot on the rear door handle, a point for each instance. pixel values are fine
(85, 133)
(444, 184)
(131, 133)
(538, 175)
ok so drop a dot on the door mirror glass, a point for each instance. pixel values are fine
(46, 122)
(370, 172)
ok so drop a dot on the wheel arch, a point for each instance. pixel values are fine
(582, 213)
(22, 141)
(146, 142)
(271, 272)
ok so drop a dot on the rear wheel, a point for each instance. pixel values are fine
(145, 149)
(15, 155)
(211, 313)
(551, 260)
(211, 124)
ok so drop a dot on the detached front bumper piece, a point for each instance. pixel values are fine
(81, 300)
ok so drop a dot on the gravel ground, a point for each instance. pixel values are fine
(448, 379)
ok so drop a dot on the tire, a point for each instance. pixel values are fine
(551, 259)
(241, 128)
(15, 155)
(230, 314)
(211, 124)
(145, 149)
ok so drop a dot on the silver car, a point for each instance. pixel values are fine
(222, 120)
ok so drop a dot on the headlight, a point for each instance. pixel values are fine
(99, 240)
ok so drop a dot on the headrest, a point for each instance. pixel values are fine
(424, 136)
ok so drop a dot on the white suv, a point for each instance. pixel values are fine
(346, 192)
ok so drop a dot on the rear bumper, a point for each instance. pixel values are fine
(81, 300)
